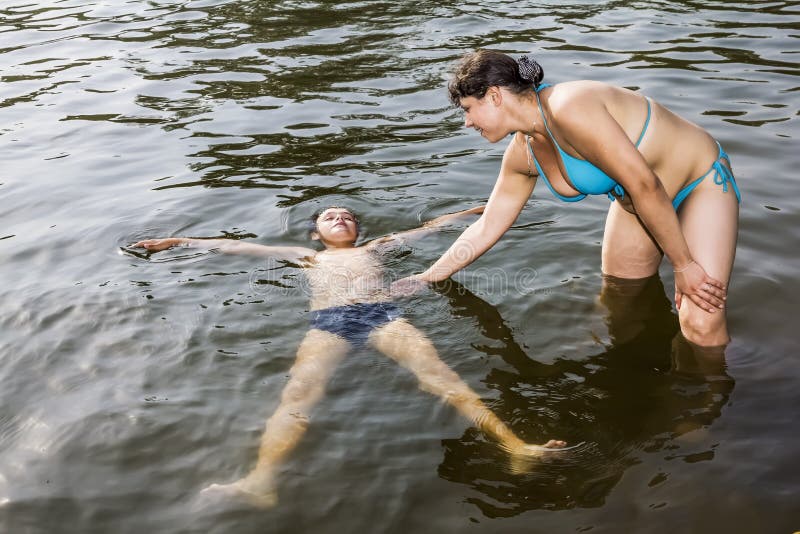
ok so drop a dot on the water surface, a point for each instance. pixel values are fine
(127, 385)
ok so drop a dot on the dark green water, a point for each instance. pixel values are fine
(128, 385)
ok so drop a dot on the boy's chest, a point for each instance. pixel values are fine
(334, 269)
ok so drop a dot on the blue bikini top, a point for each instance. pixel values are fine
(584, 176)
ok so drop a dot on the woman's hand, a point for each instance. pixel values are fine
(157, 245)
(706, 292)
(405, 287)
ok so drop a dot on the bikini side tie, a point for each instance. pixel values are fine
(723, 175)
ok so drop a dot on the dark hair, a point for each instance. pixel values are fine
(479, 70)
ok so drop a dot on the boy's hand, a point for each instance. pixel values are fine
(157, 245)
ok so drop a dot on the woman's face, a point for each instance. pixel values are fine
(484, 114)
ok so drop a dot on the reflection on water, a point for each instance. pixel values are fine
(285, 95)
(648, 388)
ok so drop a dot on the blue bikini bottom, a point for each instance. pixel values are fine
(722, 176)
(355, 322)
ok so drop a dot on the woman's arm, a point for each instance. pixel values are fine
(228, 246)
(590, 128)
(511, 191)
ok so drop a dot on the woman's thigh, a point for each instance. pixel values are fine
(709, 220)
(628, 249)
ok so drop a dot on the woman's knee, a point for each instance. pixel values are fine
(703, 328)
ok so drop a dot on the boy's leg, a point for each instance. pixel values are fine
(317, 357)
(413, 350)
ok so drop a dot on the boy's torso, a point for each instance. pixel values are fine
(343, 277)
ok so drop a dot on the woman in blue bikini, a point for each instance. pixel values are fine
(671, 182)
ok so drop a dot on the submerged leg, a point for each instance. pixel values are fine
(709, 221)
(704, 368)
(691, 359)
(636, 306)
(317, 357)
(410, 348)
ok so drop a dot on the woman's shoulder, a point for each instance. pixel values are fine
(579, 89)
(573, 96)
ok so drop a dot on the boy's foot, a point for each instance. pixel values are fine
(523, 457)
(260, 494)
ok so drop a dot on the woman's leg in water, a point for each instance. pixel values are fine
(709, 219)
(413, 350)
(628, 249)
(630, 260)
(317, 357)
(636, 307)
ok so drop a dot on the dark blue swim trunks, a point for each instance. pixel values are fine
(354, 322)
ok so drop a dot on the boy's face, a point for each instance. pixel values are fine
(337, 225)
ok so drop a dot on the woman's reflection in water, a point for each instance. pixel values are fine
(649, 387)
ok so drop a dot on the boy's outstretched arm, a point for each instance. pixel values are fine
(228, 246)
(426, 229)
